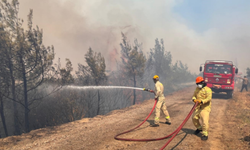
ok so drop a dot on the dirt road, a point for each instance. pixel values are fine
(98, 133)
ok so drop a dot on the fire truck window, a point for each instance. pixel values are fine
(222, 70)
(218, 69)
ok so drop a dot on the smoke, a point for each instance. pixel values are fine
(74, 26)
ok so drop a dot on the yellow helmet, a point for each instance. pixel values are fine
(156, 77)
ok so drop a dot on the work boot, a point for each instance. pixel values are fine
(154, 125)
(197, 131)
(168, 122)
(204, 138)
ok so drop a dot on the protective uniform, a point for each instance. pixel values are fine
(161, 105)
(202, 111)
(244, 84)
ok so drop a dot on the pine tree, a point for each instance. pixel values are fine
(159, 61)
(94, 73)
(133, 61)
(29, 62)
(66, 76)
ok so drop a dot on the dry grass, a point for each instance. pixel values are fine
(238, 111)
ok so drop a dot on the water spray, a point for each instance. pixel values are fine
(173, 134)
(106, 87)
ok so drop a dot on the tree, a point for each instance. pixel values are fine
(93, 73)
(4, 86)
(96, 66)
(4, 90)
(181, 73)
(83, 75)
(248, 72)
(133, 61)
(29, 61)
(7, 54)
(65, 73)
(159, 61)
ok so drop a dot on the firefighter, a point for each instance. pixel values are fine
(161, 105)
(244, 83)
(203, 96)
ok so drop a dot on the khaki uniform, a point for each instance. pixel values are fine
(244, 84)
(203, 109)
(161, 105)
(245, 81)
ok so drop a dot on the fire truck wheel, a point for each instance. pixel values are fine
(229, 94)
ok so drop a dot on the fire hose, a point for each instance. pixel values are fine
(156, 139)
(180, 127)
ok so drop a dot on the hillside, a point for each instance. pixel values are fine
(229, 125)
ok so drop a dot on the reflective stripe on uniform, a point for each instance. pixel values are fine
(156, 118)
(167, 117)
(205, 133)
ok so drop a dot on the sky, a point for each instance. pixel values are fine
(193, 30)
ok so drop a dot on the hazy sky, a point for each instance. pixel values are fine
(193, 30)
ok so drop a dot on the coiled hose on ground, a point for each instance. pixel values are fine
(156, 139)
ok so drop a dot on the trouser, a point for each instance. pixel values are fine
(244, 86)
(161, 105)
(202, 114)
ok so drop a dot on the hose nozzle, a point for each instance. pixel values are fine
(144, 89)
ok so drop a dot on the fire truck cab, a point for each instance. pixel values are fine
(220, 76)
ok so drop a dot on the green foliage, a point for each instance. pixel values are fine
(25, 57)
(94, 73)
(133, 62)
(26, 64)
(96, 66)
(25, 48)
(83, 76)
(66, 76)
(159, 61)
(181, 73)
(132, 58)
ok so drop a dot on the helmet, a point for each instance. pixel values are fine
(199, 79)
(156, 77)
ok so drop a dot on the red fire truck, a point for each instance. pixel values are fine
(219, 76)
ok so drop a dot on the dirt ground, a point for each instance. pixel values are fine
(229, 128)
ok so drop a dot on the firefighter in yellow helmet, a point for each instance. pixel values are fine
(160, 105)
(203, 96)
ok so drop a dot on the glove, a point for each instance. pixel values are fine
(197, 100)
(151, 91)
(156, 99)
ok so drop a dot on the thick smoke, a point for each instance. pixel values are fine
(74, 26)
